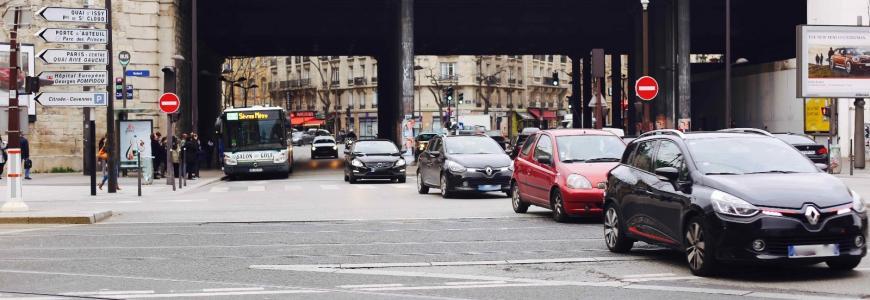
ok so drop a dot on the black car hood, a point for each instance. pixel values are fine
(784, 190)
(377, 158)
(481, 160)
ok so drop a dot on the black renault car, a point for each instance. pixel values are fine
(463, 163)
(374, 159)
(324, 146)
(735, 197)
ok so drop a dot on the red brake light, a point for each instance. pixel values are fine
(822, 151)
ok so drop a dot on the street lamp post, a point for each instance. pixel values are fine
(418, 111)
(645, 67)
(728, 118)
(246, 88)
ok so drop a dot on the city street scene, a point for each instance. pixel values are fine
(434, 149)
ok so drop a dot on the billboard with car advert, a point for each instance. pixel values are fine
(833, 61)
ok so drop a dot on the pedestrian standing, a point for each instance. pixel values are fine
(188, 152)
(200, 154)
(25, 156)
(175, 158)
(3, 157)
(163, 157)
(103, 162)
(155, 154)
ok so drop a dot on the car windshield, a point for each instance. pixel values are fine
(253, 131)
(794, 139)
(324, 140)
(425, 137)
(580, 148)
(472, 145)
(375, 147)
(745, 155)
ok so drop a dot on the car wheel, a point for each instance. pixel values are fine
(843, 264)
(519, 206)
(699, 254)
(402, 179)
(346, 179)
(445, 187)
(848, 68)
(558, 207)
(352, 179)
(421, 187)
(614, 231)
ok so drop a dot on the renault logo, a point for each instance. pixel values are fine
(812, 214)
(488, 171)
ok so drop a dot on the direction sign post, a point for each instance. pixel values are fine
(77, 99)
(97, 78)
(646, 88)
(78, 36)
(64, 56)
(169, 103)
(79, 15)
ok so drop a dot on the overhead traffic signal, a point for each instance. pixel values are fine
(449, 94)
(461, 97)
(555, 78)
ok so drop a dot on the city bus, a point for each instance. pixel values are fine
(255, 140)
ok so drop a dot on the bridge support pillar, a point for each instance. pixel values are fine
(587, 90)
(397, 68)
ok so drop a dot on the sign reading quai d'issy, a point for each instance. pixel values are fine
(79, 36)
(83, 99)
(81, 15)
(63, 56)
(76, 77)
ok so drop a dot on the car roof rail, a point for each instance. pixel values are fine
(748, 130)
(673, 132)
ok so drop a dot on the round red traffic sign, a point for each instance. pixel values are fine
(646, 88)
(169, 103)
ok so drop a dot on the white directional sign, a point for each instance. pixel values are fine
(63, 56)
(73, 99)
(66, 14)
(81, 36)
(76, 77)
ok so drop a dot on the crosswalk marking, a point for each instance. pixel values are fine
(291, 187)
(219, 189)
(257, 188)
(329, 187)
(365, 187)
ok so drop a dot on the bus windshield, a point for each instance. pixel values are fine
(254, 131)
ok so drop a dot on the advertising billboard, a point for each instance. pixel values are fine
(135, 139)
(817, 116)
(833, 61)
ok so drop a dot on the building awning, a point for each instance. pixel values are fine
(524, 115)
(295, 121)
(539, 113)
(314, 122)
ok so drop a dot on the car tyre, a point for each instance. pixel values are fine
(557, 204)
(843, 264)
(346, 179)
(614, 231)
(352, 179)
(402, 179)
(445, 187)
(518, 204)
(421, 187)
(699, 255)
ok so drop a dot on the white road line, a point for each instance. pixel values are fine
(661, 279)
(794, 296)
(257, 188)
(649, 275)
(107, 293)
(329, 187)
(451, 287)
(365, 187)
(401, 186)
(219, 189)
(687, 289)
(862, 269)
(291, 187)
(219, 294)
(233, 289)
(474, 282)
(363, 286)
(12, 232)
(115, 202)
(182, 200)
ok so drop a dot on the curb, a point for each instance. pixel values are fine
(60, 218)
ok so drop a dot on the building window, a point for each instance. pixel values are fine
(375, 100)
(374, 72)
(362, 101)
(350, 73)
(448, 70)
(362, 70)
(350, 100)
(563, 59)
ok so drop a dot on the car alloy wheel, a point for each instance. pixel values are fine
(519, 206)
(444, 186)
(611, 227)
(558, 208)
(699, 255)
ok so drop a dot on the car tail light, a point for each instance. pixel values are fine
(822, 151)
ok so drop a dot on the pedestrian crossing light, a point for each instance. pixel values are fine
(449, 94)
(555, 78)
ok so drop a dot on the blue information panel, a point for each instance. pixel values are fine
(139, 73)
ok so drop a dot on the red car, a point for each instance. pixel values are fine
(565, 170)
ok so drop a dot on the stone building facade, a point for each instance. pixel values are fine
(151, 30)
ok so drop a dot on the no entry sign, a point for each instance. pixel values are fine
(169, 103)
(646, 88)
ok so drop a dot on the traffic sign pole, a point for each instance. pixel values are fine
(110, 111)
(15, 199)
(124, 59)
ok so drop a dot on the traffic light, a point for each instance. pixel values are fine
(31, 84)
(461, 97)
(449, 94)
(119, 88)
(555, 78)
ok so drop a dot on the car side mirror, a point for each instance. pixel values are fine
(823, 167)
(668, 173)
(543, 159)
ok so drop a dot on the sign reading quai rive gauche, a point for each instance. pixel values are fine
(80, 36)
(76, 77)
(63, 56)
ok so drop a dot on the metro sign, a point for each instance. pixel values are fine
(169, 103)
(646, 88)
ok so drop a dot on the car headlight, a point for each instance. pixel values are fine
(857, 202)
(455, 167)
(421, 147)
(229, 160)
(357, 163)
(313, 147)
(728, 204)
(334, 147)
(578, 182)
(400, 162)
(280, 157)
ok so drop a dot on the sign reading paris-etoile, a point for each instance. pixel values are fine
(63, 56)
(80, 36)
(76, 77)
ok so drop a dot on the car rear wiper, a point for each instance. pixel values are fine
(603, 159)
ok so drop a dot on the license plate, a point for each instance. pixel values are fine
(809, 152)
(255, 170)
(488, 187)
(813, 250)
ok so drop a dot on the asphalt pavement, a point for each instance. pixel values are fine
(313, 236)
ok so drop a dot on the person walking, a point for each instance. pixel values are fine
(188, 152)
(103, 162)
(200, 154)
(25, 157)
(163, 157)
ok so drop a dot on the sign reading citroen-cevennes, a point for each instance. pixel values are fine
(80, 99)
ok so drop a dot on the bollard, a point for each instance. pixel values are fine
(139, 176)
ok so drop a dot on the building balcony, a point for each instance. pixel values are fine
(445, 77)
(297, 83)
(374, 79)
(335, 83)
(359, 81)
(489, 80)
(350, 81)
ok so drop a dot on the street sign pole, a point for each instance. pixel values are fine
(111, 139)
(15, 200)
(124, 59)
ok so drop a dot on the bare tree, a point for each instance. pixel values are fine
(324, 94)
(486, 85)
(436, 88)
